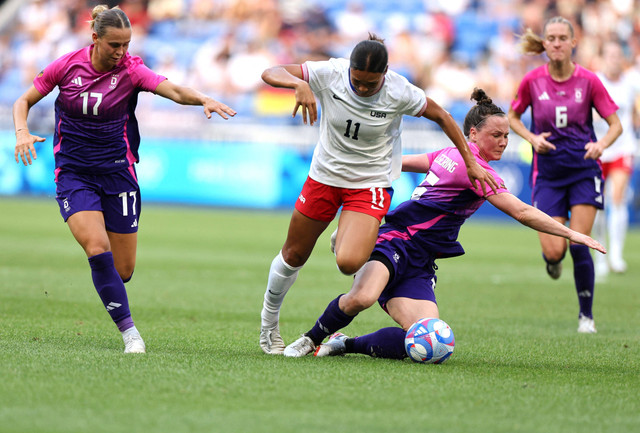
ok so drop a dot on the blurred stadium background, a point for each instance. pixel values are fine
(260, 158)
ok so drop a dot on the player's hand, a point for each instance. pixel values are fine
(25, 149)
(480, 177)
(211, 106)
(594, 150)
(540, 143)
(583, 239)
(306, 101)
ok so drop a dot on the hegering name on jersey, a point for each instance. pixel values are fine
(445, 162)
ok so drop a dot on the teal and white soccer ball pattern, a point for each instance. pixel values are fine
(429, 341)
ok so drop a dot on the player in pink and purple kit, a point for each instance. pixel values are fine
(95, 145)
(566, 173)
(400, 274)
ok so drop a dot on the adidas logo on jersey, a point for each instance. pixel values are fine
(77, 81)
(543, 97)
(135, 223)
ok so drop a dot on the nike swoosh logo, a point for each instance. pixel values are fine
(337, 97)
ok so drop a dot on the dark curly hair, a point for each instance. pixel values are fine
(483, 109)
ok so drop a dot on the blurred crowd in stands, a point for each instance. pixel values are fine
(222, 46)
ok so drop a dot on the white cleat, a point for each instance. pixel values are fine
(270, 340)
(334, 347)
(618, 266)
(601, 270)
(133, 342)
(586, 325)
(299, 348)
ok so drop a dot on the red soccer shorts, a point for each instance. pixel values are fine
(321, 202)
(624, 163)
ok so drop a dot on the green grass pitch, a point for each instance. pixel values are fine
(518, 365)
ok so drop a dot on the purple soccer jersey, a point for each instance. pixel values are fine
(565, 110)
(431, 220)
(426, 227)
(96, 130)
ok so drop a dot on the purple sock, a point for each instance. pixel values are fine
(111, 289)
(584, 277)
(331, 320)
(384, 343)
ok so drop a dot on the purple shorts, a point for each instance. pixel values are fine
(412, 271)
(116, 195)
(557, 201)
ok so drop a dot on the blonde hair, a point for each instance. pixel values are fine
(531, 43)
(102, 17)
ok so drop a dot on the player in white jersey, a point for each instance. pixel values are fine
(617, 160)
(357, 157)
(401, 273)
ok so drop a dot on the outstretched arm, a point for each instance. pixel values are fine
(418, 163)
(436, 113)
(188, 96)
(540, 221)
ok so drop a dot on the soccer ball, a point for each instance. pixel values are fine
(429, 341)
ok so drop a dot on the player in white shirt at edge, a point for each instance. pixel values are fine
(617, 160)
(357, 157)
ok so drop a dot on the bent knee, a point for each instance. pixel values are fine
(355, 304)
(125, 278)
(554, 256)
(125, 272)
(96, 249)
(294, 258)
(349, 266)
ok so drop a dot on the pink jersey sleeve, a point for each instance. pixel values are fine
(523, 95)
(434, 155)
(51, 75)
(143, 77)
(602, 101)
(463, 178)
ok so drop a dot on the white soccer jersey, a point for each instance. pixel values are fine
(624, 92)
(359, 144)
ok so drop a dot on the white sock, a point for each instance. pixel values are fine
(618, 223)
(600, 234)
(281, 278)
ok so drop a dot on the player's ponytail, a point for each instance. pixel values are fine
(530, 43)
(102, 17)
(483, 109)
